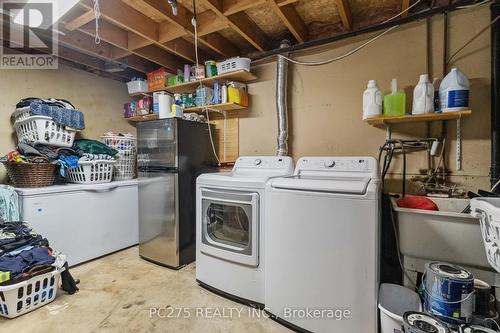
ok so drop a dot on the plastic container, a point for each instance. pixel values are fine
(454, 92)
(137, 86)
(41, 129)
(21, 114)
(372, 100)
(23, 297)
(394, 301)
(91, 172)
(233, 65)
(487, 210)
(211, 68)
(395, 102)
(423, 96)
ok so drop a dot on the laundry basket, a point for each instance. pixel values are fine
(41, 129)
(91, 172)
(487, 210)
(21, 114)
(23, 297)
(127, 155)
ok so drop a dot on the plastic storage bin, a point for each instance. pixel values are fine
(394, 301)
(23, 297)
(137, 86)
(92, 172)
(41, 129)
(233, 64)
(124, 169)
(488, 212)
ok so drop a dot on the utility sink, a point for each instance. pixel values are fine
(444, 235)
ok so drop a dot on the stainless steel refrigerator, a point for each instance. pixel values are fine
(171, 154)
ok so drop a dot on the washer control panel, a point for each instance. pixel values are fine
(337, 164)
(264, 162)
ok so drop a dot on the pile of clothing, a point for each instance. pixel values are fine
(24, 254)
(60, 110)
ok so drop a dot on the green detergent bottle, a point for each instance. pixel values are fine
(395, 102)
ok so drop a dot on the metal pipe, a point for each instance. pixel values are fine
(495, 95)
(281, 101)
(410, 18)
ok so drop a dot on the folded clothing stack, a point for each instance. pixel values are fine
(24, 254)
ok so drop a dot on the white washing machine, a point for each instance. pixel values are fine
(230, 227)
(322, 247)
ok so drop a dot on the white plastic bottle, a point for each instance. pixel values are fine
(454, 92)
(372, 100)
(423, 96)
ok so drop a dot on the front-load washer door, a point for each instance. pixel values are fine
(230, 225)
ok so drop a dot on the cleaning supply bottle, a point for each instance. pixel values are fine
(395, 102)
(454, 92)
(372, 100)
(423, 96)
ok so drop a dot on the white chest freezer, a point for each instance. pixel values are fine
(84, 221)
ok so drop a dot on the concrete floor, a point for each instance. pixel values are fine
(119, 292)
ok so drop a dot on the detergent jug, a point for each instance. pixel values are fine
(372, 100)
(423, 96)
(454, 92)
(395, 102)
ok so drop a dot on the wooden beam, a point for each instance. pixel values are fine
(127, 18)
(84, 43)
(119, 38)
(80, 20)
(235, 6)
(136, 62)
(241, 23)
(181, 24)
(345, 14)
(292, 20)
(404, 6)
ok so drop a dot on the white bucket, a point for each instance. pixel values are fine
(394, 301)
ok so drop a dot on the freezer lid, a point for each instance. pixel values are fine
(66, 188)
(344, 185)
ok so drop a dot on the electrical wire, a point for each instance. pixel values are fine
(325, 62)
(480, 32)
(97, 14)
(211, 136)
(477, 4)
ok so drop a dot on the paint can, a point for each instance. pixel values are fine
(417, 322)
(475, 329)
(448, 292)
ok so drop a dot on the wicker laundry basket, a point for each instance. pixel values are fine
(31, 174)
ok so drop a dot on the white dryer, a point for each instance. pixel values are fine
(230, 227)
(322, 247)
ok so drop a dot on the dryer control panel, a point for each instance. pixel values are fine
(284, 163)
(363, 165)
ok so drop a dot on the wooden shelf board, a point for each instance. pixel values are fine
(221, 107)
(379, 121)
(143, 117)
(186, 87)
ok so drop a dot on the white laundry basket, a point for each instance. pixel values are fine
(233, 65)
(23, 297)
(21, 114)
(394, 301)
(91, 172)
(127, 155)
(41, 129)
(487, 210)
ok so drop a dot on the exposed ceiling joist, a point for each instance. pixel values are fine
(239, 22)
(182, 24)
(235, 6)
(127, 18)
(292, 20)
(404, 7)
(345, 14)
(80, 20)
(119, 38)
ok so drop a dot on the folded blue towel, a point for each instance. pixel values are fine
(67, 117)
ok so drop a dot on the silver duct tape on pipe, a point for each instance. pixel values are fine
(281, 101)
